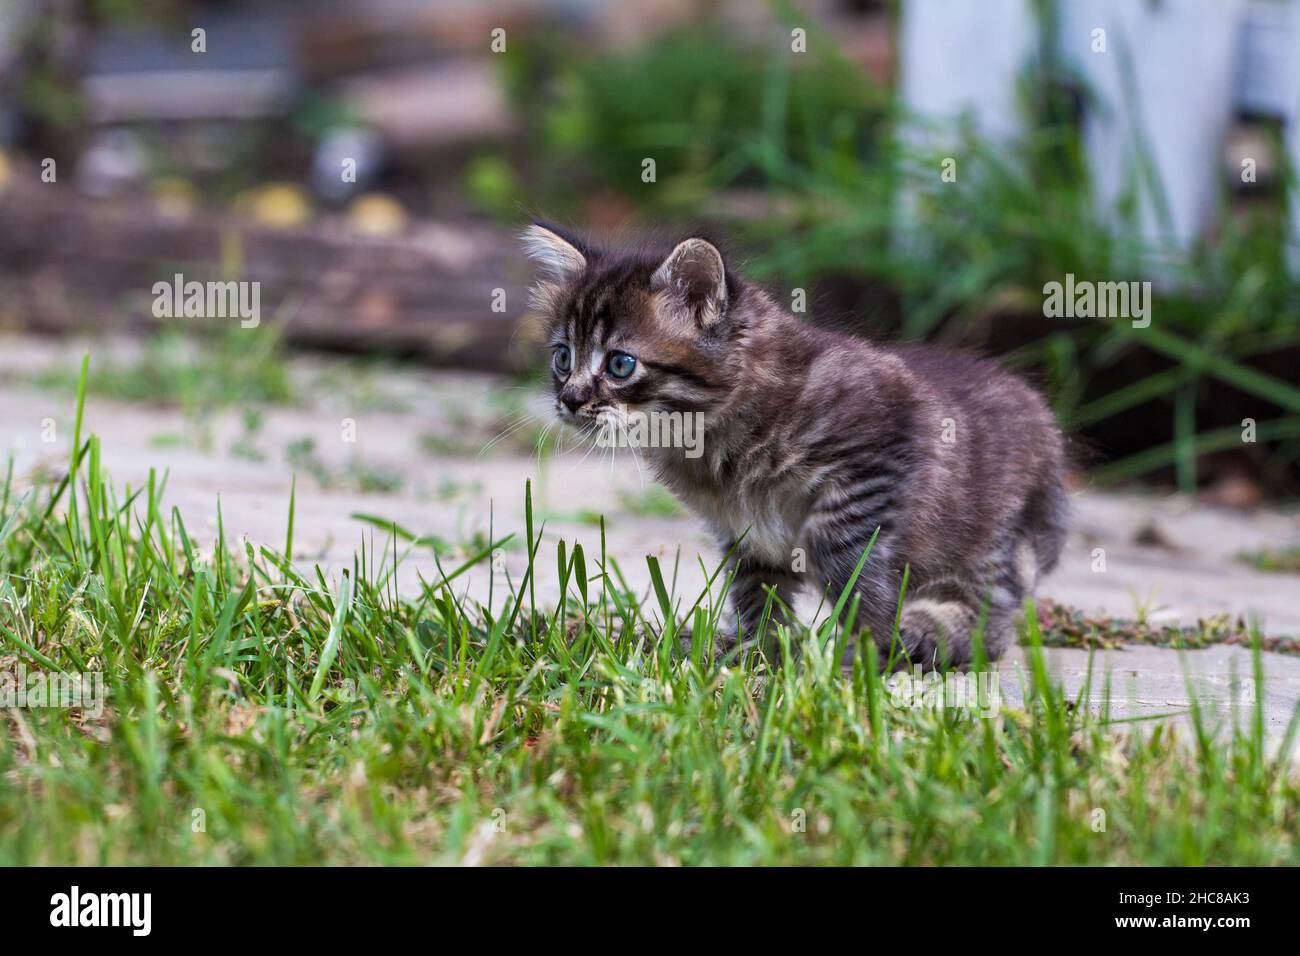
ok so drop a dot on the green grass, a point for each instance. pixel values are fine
(692, 100)
(227, 367)
(1283, 560)
(302, 455)
(652, 501)
(302, 718)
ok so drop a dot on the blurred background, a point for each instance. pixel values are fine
(919, 169)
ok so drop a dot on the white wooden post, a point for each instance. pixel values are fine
(1163, 74)
(1166, 78)
(962, 59)
(958, 61)
(1293, 130)
(1263, 83)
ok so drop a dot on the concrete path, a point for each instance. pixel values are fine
(1148, 682)
(420, 439)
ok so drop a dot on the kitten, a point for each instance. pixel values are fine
(813, 442)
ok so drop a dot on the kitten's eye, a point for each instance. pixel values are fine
(562, 360)
(621, 365)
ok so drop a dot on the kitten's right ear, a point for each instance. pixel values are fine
(696, 277)
(559, 257)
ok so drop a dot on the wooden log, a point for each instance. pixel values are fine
(68, 264)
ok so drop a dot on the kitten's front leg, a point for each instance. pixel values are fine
(753, 579)
(836, 550)
(751, 582)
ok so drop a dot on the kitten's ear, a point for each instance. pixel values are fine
(559, 257)
(696, 277)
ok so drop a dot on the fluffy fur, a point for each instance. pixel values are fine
(816, 441)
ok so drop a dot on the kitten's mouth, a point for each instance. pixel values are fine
(584, 417)
(580, 419)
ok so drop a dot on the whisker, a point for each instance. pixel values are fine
(506, 432)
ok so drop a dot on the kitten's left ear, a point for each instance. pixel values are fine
(560, 257)
(696, 277)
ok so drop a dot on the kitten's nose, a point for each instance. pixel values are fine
(575, 398)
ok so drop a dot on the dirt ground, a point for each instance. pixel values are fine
(421, 455)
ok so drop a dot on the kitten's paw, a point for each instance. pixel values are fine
(726, 645)
(935, 634)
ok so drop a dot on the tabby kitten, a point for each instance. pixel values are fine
(814, 441)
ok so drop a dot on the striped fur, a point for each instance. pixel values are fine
(814, 441)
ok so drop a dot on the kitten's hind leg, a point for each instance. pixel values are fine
(941, 621)
(935, 629)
